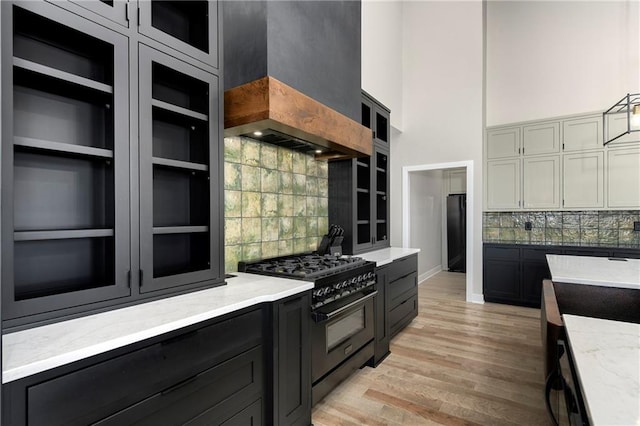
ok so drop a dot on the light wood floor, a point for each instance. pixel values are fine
(456, 364)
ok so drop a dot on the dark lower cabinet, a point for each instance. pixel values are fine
(513, 274)
(237, 370)
(291, 387)
(396, 302)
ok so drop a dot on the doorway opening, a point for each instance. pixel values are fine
(415, 202)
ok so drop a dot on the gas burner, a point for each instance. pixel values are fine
(308, 266)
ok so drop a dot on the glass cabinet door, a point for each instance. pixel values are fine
(179, 151)
(189, 26)
(68, 132)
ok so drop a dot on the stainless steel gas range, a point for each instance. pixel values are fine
(342, 312)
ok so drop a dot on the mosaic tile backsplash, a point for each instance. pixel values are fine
(276, 201)
(587, 228)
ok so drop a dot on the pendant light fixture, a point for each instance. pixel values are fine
(622, 118)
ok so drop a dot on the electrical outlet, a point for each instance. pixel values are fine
(527, 226)
(636, 226)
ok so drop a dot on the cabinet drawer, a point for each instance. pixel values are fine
(402, 267)
(92, 393)
(398, 289)
(510, 253)
(219, 393)
(538, 254)
(403, 314)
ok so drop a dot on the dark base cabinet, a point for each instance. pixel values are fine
(229, 371)
(513, 274)
(396, 303)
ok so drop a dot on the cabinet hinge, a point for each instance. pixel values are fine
(129, 278)
(140, 276)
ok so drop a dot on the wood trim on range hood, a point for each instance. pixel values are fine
(267, 103)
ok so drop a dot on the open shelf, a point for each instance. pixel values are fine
(179, 110)
(180, 164)
(61, 234)
(56, 192)
(185, 20)
(61, 148)
(179, 229)
(360, 163)
(48, 267)
(61, 75)
(362, 190)
(180, 253)
(180, 198)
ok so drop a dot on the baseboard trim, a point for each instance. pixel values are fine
(426, 275)
(476, 298)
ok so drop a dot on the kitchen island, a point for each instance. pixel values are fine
(592, 304)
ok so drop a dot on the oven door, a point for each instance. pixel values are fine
(339, 330)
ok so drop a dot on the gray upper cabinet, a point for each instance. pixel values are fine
(190, 27)
(179, 134)
(65, 131)
(543, 138)
(581, 134)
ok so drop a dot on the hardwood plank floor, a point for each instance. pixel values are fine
(456, 364)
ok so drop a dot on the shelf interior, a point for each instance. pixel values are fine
(178, 89)
(363, 206)
(49, 43)
(185, 20)
(364, 234)
(56, 192)
(180, 198)
(180, 253)
(49, 267)
(366, 116)
(381, 127)
(58, 111)
(180, 138)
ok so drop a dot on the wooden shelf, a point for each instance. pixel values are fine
(185, 165)
(61, 234)
(162, 230)
(179, 110)
(62, 147)
(62, 75)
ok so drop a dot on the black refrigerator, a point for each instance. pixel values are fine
(457, 232)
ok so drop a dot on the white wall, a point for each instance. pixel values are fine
(442, 102)
(426, 190)
(551, 58)
(382, 55)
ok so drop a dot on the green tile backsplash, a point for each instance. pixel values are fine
(275, 201)
(587, 228)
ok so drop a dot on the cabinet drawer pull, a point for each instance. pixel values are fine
(179, 385)
(179, 338)
(403, 277)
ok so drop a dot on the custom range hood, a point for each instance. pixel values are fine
(292, 75)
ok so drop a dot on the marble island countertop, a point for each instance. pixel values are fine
(606, 355)
(38, 349)
(387, 255)
(600, 271)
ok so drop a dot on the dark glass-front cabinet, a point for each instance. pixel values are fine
(359, 188)
(65, 131)
(110, 161)
(178, 199)
(191, 27)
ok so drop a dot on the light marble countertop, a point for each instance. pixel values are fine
(38, 349)
(595, 271)
(387, 255)
(606, 355)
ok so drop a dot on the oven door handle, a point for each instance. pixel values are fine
(321, 316)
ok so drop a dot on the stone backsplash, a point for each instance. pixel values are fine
(609, 228)
(275, 201)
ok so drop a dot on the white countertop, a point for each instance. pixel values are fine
(595, 271)
(606, 355)
(388, 255)
(39, 349)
